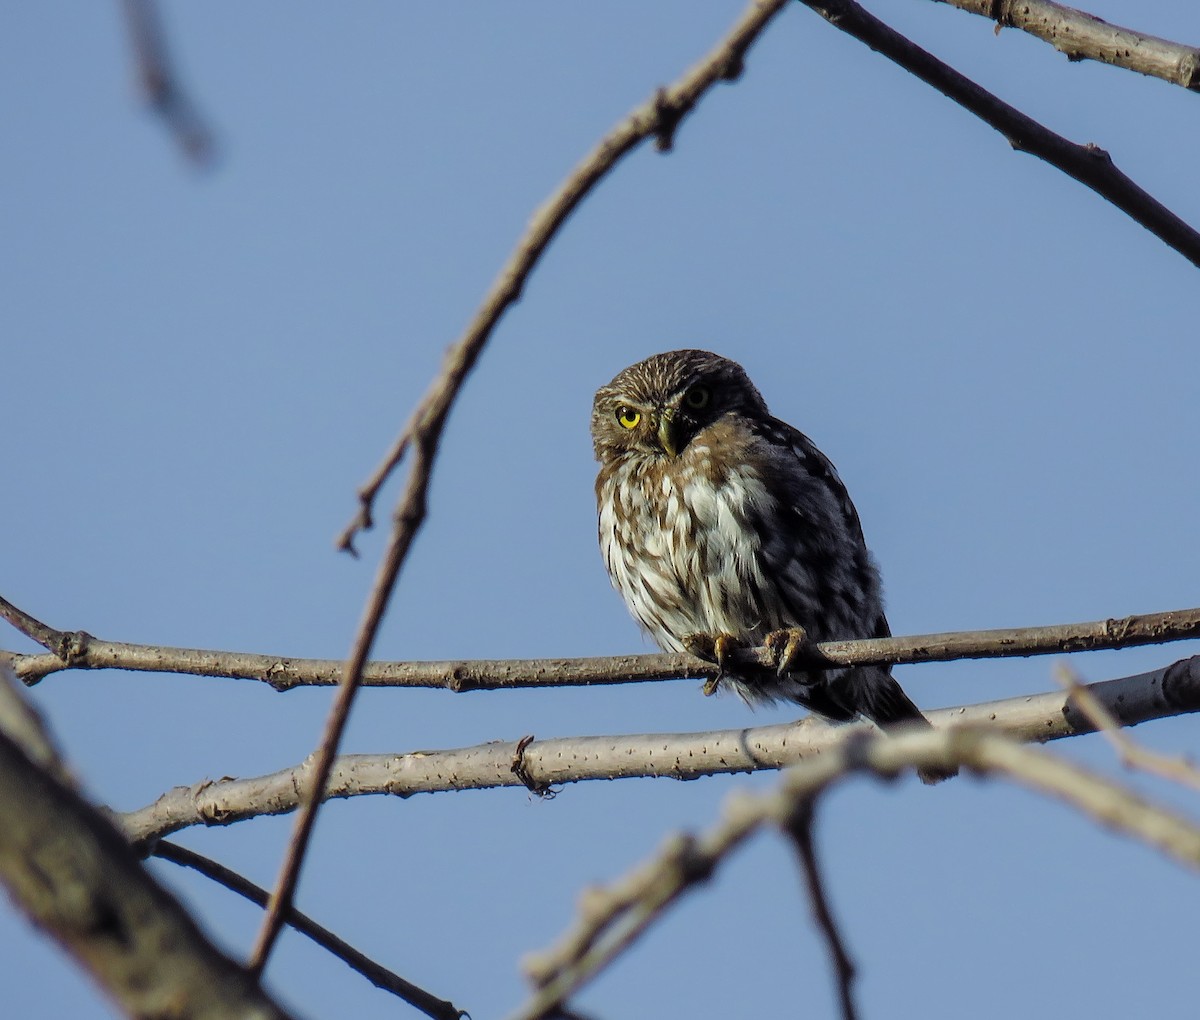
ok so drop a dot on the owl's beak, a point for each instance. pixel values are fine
(668, 434)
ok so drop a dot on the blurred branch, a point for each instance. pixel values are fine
(612, 919)
(76, 877)
(378, 975)
(1172, 691)
(79, 650)
(1132, 754)
(160, 84)
(1088, 164)
(1083, 36)
(657, 118)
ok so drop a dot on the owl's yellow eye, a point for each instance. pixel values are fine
(697, 397)
(628, 417)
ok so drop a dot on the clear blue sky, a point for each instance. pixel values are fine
(199, 369)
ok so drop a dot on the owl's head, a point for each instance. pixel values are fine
(658, 406)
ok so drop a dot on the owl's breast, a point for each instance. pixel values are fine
(682, 548)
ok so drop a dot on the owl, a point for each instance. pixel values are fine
(723, 526)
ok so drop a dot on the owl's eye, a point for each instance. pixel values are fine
(628, 417)
(697, 397)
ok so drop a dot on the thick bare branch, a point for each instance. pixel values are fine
(75, 876)
(374, 972)
(1131, 700)
(1088, 164)
(658, 118)
(284, 673)
(1083, 36)
(612, 919)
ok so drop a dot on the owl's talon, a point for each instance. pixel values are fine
(716, 648)
(786, 646)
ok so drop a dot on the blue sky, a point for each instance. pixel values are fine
(200, 369)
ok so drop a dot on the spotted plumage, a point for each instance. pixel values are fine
(717, 519)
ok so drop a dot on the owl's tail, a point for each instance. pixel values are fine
(876, 695)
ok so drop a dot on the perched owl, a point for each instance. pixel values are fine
(722, 525)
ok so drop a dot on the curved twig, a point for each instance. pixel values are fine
(658, 118)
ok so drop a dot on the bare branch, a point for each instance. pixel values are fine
(612, 919)
(377, 974)
(82, 651)
(800, 828)
(1088, 164)
(658, 118)
(1133, 754)
(75, 876)
(160, 84)
(1083, 36)
(1174, 690)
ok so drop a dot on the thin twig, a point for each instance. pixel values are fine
(557, 762)
(1088, 164)
(161, 85)
(658, 118)
(374, 972)
(800, 828)
(612, 919)
(1132, 754)
(82, 651)
(1083, 36)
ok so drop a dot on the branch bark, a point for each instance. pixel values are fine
(1174, 690)
(1088, 164)
(1083, 36)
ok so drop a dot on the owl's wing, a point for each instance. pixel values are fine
(819, 468)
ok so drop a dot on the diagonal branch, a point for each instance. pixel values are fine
(657, 118)
(612, 919)
(1174, 690)
(378, 975)
(1088, 164)
(80, 650)
(800, 828)
(1083, 36)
